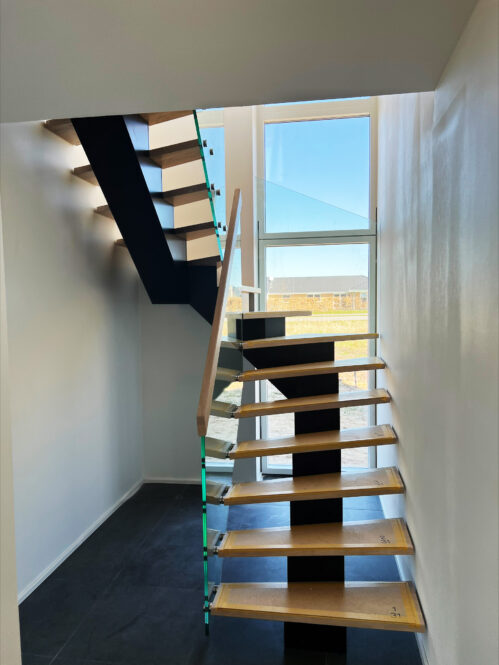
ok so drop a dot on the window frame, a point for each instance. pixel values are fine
(356, 108)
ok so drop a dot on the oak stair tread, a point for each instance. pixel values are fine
(189, 194)
(381, 605)
(304, 339)
(165, 116)
(86, 173)
(267, 315)
(174, 155)
(63, 127)
(331, 440)
(374, 537)
(312, 403)
(385, 480)
(312, 369)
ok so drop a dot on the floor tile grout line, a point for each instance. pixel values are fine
(73, 633)
(106, 588)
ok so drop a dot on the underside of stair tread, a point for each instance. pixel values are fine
(189, 194)
(104, 210)
(63, 127)
(385, 480)
(381, 605)
(301, 443)
(385, 537)
(165, 116)
(86, 173)
(174, 155)
(313, 403)
(311, 369)
(293, 340)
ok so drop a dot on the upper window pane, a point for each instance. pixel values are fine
(317, 175)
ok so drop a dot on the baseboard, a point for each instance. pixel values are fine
(29, 588)
(405, 575)
(172, 481)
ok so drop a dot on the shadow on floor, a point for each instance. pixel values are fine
(132, 594)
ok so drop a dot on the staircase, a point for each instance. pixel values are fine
(316, 604)
(160, 198)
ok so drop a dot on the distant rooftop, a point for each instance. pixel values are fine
(327, 284)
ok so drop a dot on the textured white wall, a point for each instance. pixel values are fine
(174, 345)
(10, 649)
(438, 319)
(74, 351)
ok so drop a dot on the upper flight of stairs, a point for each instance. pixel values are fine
(159, 197)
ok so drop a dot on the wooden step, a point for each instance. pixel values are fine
(312, 369)
(293, 340)
(104, 210)
(385, 480)
(313, 403)
(174, 155)
(382, 605)
(165, 116)
(184, 231)
(86, 173)
(337, 539)
(267, 315)
(377, 435)
(63, 127)
(217, 447)
(183, 195)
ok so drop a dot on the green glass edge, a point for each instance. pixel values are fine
(208, 184)
(205, 532)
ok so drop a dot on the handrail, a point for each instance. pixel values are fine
(210, 368)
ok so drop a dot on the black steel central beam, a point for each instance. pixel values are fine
(127, 177)
(306, 569)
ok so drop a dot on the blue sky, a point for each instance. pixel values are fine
(327, 160)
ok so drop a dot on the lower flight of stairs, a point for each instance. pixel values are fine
(379, 605)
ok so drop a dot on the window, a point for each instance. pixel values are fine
(317, 239)
(317, 175)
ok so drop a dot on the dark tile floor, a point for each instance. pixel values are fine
(132, 594)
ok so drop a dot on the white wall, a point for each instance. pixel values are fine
(10, 649)
(174, 345)
(438, 319)
(61, 59)
(74, 351)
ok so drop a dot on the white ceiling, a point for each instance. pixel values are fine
(63, 58)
